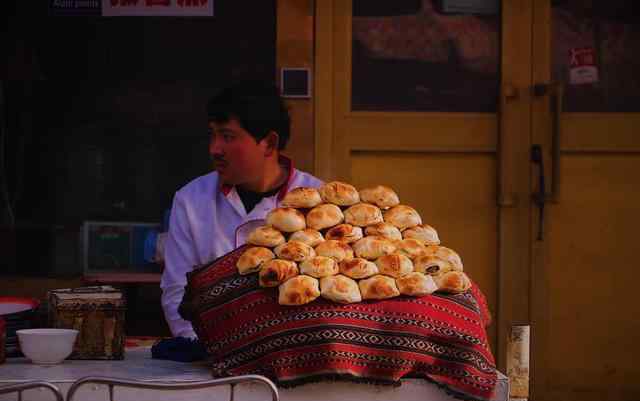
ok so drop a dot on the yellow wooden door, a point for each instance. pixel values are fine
(569, 87)
(584, 270)
(431, 104)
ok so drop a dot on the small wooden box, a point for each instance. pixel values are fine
(97, 313)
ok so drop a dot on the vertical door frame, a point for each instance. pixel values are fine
(514, 197)
(323, 84)
(540, 134)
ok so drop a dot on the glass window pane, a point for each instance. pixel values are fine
(425, 55)
(596, 54)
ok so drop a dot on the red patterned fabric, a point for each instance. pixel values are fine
(440, 338)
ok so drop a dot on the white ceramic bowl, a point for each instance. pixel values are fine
(47, 346)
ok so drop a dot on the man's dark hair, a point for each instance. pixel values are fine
(256, 105)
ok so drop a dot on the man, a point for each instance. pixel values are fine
(213, 214)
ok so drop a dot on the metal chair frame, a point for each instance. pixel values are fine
(112, 382)
(20, 387)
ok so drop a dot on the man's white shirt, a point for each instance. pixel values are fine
(207, 221)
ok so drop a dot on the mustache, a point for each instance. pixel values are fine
(218, 159)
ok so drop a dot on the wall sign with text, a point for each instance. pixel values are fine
(124, 8)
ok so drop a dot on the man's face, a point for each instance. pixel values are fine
(237, 157)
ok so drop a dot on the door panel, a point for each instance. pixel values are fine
(454, 192)
(575, 284)
(584, 347)
(447, 132)
(600, 132)
(591, 242)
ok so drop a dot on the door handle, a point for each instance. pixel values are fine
(556, 91)
(539, 197)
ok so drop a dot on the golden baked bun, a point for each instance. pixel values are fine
(454, 282)
(381, 196)
(447, 254)
(384, 229)
(295, 251)
(358, 268)
(299, 290)
(339, 193)
(276, 271)
(362, 215)
(341, 289)
(286, 219)
(402, 216)
(252, 258)
(345, 233)
(337, 250)
(302, 197)
(324, 216)
(308, 236)
(410, 247)
(319, 266)
(265, 236)
(424, 233)
(431, 265)
(394, 265)
(416, 284)
(378, 287)
(373, 247)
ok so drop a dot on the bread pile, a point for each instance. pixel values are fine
(347, 246)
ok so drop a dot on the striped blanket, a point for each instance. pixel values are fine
(440, 338)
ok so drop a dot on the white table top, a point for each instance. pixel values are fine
(138, 365)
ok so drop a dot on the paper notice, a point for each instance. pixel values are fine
(518, 362)
(582, 66)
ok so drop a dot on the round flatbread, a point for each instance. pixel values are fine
(319, 266)
(384, 229)
(340, 289)
(295, 250)
(339, 193)
(395, 265)
(324, 216)
(454, 282)
(424, 233)
(276, 271)
(337, 250)
(416, 284)
(410, 247)
(378, 287)
(298, 290)
(381, 196)
(345, 233)
(286, 219)
(358, 268)
(302, 197)
(362, 215)
(447, 254)
(373, 247)
(308, 236)
(402, 216)
(252, 258)
(265, 236)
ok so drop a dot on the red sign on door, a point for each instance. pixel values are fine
(582, 66)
